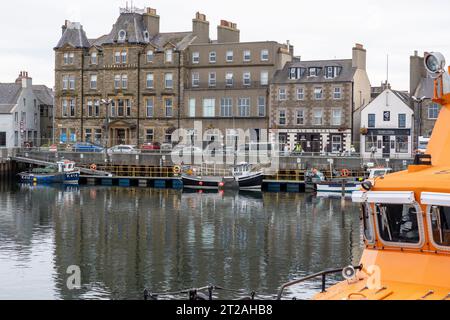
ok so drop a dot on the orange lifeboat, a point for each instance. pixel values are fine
(406, 218)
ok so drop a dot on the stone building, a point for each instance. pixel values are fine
(137, 84)
(227, 84)
(318, 103)
(45, 97)
(422, 86)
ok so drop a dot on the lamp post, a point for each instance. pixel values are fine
(106, 103)
(418, 119)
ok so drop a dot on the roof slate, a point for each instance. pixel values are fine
(9, 94)
(74, 36)
(347, 73)
(43, 94)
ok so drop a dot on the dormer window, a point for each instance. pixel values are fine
(313, 72)
(296, 73)
(122, 35)
(146, 36)
(332, 72)
(169, 56)
(94, 58)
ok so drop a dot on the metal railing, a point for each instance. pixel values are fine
(322, 275)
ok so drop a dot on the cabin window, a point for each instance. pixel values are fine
(367, 223)
(398, 223)
(440, 224)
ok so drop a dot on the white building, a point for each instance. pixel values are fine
(386, 126)
(19, 113)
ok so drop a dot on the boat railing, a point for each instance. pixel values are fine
(322, 275)
(197, 293)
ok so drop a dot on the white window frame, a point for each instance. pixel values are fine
(150, 56)
(247, 79)
(282, 94)
(150, 80)
(300, 93)
(93, 81)
(297, 117)
(168, 56)
(229, 54)
(195, 57)
(333, 118)
(168, 80)
(212, 57)
(316, 93)
(282, 114)
(229, 79)
(244, 107)
(212, 79)
(316, 123)
(195, 79)
(150, 105)
(265, 52)
(337, 93)
(209, 111)
(192, 107)
(247, 56)
(264, 78)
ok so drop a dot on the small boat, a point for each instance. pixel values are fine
(63, 172)
(242, 177)
(337, 186)
(247, 179)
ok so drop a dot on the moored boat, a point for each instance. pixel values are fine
(63, 172)
(247, 178)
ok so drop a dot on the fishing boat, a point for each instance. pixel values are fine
(248, 178)
(349, 185)
(63, 172)
(406, 222)
(242, 177)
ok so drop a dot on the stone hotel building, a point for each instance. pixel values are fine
(318, 103)
(137, 84)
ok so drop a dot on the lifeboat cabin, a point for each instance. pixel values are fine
(406, 221)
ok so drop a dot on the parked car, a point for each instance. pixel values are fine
(182, 150)
(150, 146)
(87, 147)
(124, 149)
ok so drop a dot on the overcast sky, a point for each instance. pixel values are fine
(319, 29)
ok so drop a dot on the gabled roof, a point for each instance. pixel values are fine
(403, 96)
(73, 36)
(43, 94)
(346, 75)
(9, 94)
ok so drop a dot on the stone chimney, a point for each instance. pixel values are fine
(151, 20)
(417, 71)
(359, 57)
(200, 28)
(64, 27)
(24, 80)
(227, 32)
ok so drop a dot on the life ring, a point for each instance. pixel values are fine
(93, 167)
(177, 169)
(27, 145)
(345, 172)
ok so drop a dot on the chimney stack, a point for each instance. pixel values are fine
(359, 57)
(227, 32)
(417, 71)
(151, 20)
(200, 28)
(24, 80)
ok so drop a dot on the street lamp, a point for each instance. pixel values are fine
(106, 103)
(418, 118)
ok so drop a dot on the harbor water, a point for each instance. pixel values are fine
(124, 240)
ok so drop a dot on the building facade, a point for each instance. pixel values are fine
(45, 97)
(317, 104)
(387, 126)
(422, 86)
(137, 84)
(19, 113)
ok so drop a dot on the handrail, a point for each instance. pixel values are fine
(322, 274)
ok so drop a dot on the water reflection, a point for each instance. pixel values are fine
(127, 239)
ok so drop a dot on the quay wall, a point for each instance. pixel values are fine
(164, 160)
